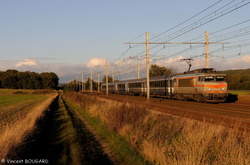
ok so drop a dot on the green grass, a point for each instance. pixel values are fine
(9, 91)
(14, 99)
(87, 149)
(66, 135)
(8, 97)
(239, 92)
(15, 104)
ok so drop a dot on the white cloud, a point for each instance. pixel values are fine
(27, 62)
(172, 60)
(96, 61)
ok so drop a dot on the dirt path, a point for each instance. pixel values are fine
(55, 142)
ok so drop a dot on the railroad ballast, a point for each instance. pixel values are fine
(202, 85)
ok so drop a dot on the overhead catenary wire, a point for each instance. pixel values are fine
(213, 16)
(217, 12)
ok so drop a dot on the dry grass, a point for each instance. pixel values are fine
(244, 98)
(165, 139)
(14, 133)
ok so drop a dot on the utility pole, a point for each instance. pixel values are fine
(76, 87)
(147, 52)
(98, 83)
(147, 66)
(138, 68)
(91, 82)
(207, 49)
(82, 82)
(113, 76)
(107, 85)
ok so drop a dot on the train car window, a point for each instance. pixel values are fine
(157, 84)
(135, 85)
(163, 83)
(201, 78)
(209, 78)
(220, 78)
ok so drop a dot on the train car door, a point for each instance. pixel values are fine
(116, 88)
(126, 88)
(144, 84)
(170, 88)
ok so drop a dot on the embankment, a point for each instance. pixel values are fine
(167, 139)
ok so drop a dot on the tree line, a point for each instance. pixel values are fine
(238, 79)
(13, 79)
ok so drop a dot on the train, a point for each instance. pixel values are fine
(201, 85)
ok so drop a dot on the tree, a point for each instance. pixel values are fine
(156, 70)
(94, 85)
(28, 80)
(23, 80)
(10, 79)
(109, 79)
(49, 80)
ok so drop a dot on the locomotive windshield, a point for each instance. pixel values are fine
(209, 78)
(214, 78)
(220, 78)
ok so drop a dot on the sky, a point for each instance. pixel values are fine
(70, 37)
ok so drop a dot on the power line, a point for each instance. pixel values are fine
(216, 14)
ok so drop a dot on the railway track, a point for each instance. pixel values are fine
(228, 114)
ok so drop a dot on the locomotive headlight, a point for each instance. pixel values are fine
(209, 89)
(222, 89)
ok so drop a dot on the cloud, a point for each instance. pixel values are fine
(242, 62)
(27, 62)
(172, 60)
(96, 61)
(123, 69)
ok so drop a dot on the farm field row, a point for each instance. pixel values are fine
(15, 104)
(19, 110)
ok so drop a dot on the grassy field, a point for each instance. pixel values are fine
(16, 104)
(239, 92)
(19, 110)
